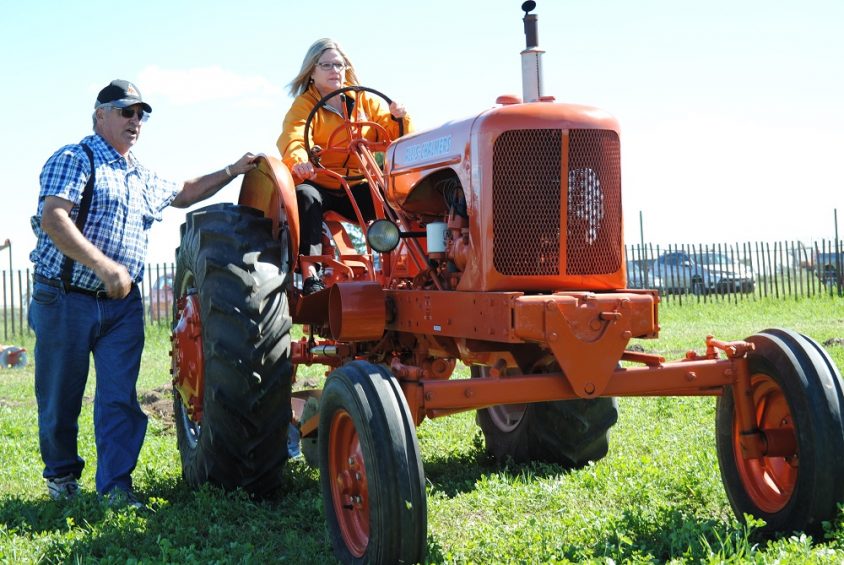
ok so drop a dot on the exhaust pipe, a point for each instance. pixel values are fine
(531, 57)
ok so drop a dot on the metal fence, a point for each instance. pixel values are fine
(740, 271)
(683, 272)
(156, 288)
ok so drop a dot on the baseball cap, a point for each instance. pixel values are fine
(120, 94)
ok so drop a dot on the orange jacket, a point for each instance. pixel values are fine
(291, 142)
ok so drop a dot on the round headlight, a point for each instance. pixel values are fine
(383, 236)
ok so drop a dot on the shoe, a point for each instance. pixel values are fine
(293, 450)
(120, 498)
(312, 285)
(62, 488)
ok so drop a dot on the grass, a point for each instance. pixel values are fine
(657, 496)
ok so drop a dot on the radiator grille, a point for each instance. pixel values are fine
(527, 192)
(526, 202)
(593, 235)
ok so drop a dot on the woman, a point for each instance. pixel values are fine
(325, 69)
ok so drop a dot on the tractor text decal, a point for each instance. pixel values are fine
(427, 150)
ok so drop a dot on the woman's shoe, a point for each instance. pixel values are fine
(312, 285)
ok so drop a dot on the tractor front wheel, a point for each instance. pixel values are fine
(797, 399)
(373, 484)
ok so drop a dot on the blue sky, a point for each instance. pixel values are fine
(731, 111)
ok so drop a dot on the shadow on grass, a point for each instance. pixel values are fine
(459, 473)
(671, 534)
(179, 525)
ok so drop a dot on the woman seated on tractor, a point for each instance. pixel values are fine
(325, 69)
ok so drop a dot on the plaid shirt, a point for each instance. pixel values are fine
(127, 199)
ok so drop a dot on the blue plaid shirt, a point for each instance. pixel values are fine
(127, 199)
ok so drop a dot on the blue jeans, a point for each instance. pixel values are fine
(68, 328)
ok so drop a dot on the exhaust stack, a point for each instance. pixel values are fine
(531, 57)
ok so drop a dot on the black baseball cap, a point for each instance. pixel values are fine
(120, 94)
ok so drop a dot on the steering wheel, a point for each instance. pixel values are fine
(352, 126)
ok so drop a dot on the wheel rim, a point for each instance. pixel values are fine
(192, 429)
(188, 368)
(769, 481)
(507, 417)
(349, 489)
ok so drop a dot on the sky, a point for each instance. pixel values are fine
(731, 112)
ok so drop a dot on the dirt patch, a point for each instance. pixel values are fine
(158, 403)
(834, 341)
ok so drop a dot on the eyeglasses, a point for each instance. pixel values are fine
(129, 113)
(329, 66)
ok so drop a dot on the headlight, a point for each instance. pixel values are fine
(383, 236)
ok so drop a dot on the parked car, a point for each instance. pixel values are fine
(830, 268)
(725, 274)
(161, 298)
(678, 272)
(638, 278)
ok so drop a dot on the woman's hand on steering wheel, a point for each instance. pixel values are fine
(397, 110)
(305, 171)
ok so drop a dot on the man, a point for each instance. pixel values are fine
(86, 297)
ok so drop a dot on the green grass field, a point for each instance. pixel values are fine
(657, 496)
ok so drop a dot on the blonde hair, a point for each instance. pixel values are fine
(300, 84)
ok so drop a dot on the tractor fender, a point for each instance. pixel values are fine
(269, 187)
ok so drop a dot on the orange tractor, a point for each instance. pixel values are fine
(498, 244)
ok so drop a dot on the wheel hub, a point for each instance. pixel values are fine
(188, 362)
(349, 487)
(770, 480)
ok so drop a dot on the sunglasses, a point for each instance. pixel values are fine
(129, 113)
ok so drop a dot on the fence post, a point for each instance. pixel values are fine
(20, 301)
(5, 310)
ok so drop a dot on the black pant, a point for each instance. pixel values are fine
(314, 200)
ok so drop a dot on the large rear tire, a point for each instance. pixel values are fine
(231, 267)
(797, 395)
(373, 484)
(566, 432)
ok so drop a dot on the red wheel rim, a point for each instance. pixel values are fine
(769, 481)
(188, 359)
(349, 488)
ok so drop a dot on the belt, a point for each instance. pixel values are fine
(56, 283)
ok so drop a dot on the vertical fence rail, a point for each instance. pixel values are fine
(5, 309)
(20, 298)
(15, 302)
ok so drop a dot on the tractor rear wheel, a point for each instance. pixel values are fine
(567, 432)
(230, 284)
(373, 484)
(798, 401)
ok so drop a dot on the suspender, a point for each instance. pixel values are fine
(82, 216)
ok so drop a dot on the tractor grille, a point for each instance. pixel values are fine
(593, 238)
(526, 202)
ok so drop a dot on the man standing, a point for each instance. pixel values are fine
(92, 225)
